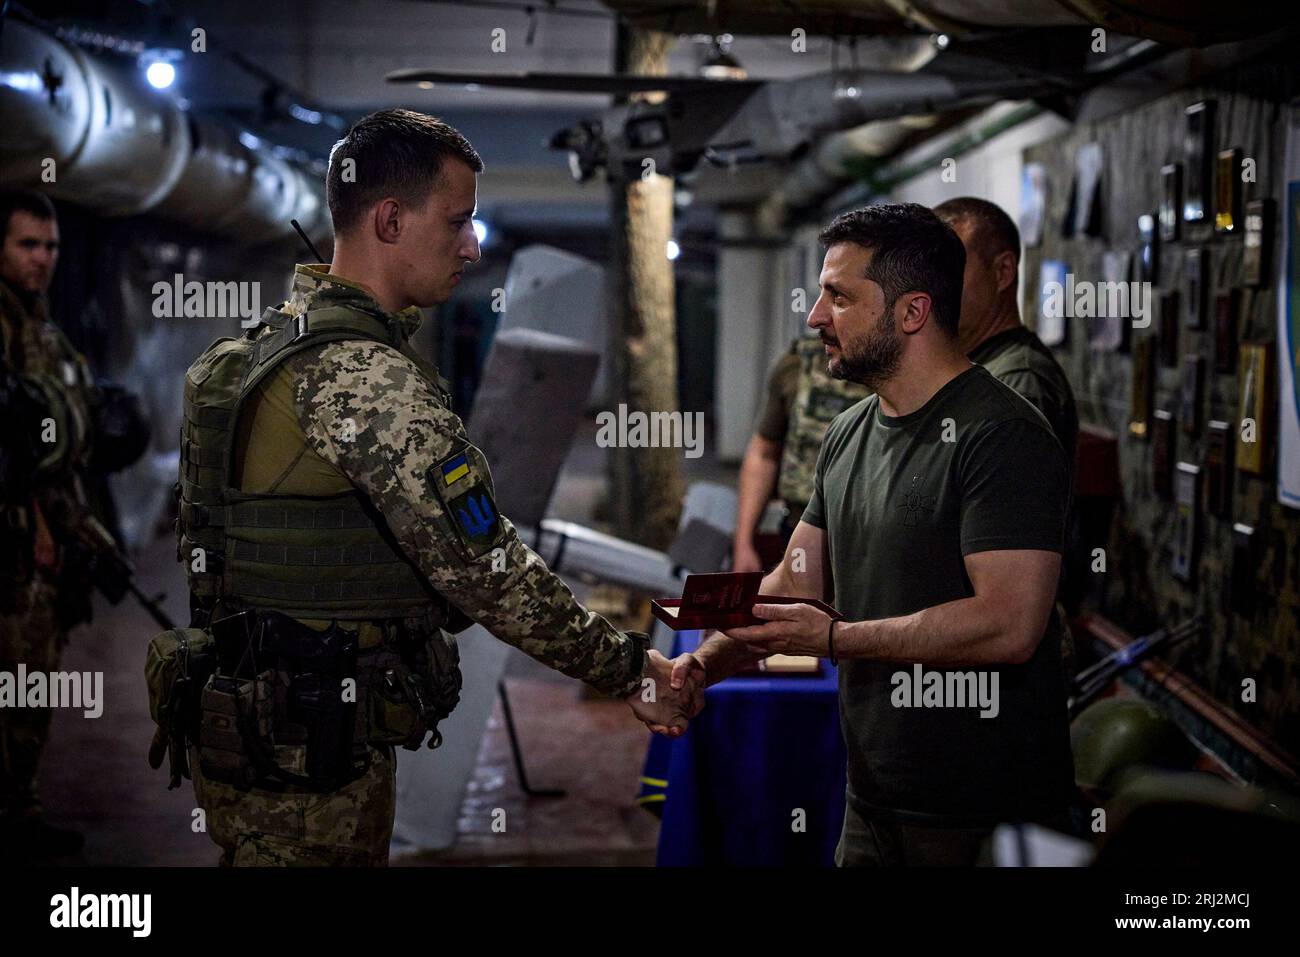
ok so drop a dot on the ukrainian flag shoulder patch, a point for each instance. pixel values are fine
(467, 502)
(455, 469)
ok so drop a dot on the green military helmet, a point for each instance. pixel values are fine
(1197, 819)
(1115, 737)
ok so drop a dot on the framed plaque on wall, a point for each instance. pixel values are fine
(1198, 141)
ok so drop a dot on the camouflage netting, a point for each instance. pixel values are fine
(1139, 590)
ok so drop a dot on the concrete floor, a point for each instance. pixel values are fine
(95, 776)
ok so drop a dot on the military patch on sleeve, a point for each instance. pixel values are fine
(468, 503)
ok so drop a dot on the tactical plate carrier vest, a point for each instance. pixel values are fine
(309, 558)
(818, 399)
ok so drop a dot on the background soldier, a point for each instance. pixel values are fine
(992, 334)
(354, 526)
(802, 399)
(45, 413)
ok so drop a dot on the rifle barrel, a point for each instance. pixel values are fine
(151, 607)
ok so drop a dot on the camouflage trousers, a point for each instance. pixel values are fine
(29, 634)
(350, 827)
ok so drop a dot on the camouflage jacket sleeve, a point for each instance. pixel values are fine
(365, 408)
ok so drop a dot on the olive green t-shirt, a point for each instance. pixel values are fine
(1018, 357)
(903, 500)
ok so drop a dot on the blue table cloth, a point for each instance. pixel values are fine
(758, 780)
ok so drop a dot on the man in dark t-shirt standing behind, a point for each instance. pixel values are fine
(935, 528)
(990, 331)
(991, 334)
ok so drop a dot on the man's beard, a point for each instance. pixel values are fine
(875, 359)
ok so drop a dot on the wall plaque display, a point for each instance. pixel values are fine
(1254, 407)
(1171, 200)
(1257, 247)
(1162, 453)
(1169, 329)
(1245, 566)
(1106, 332)
(1144, 382)
(1287, 384)
(1226, 305)
(1187, 487)
(1053, 304)
(1033, 203)
(1195, 276)
(1218, 469)
(1189, 406)
(1227, 192)
(1083, 216)
(1197, 145)
(1148, 261)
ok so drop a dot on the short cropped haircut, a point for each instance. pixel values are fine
(23, 200)
(397, 153)
(912, 251)
(993, 231)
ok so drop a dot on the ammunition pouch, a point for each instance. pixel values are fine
(407, 688)
(234, 742)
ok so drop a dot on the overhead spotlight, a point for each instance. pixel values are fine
(940, 40)
(673, 249)
(160, 75)
(481, 231)
(159, 66)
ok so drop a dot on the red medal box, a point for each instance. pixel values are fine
(723, 600)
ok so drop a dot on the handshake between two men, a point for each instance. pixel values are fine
(672, 691)
(675, 688)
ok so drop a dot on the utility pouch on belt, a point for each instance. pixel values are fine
(410, 686)
(236, 705)
(235, 729)
(178, 663)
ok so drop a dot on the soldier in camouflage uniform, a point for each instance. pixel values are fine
(359, 505)
(45, 398)
(802, 399)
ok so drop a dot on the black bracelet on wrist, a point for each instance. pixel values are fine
(830, 642)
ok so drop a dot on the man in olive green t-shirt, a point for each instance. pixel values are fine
(990, 330)
(935, 529)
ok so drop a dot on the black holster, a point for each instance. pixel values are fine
(279, 682)
(320, 695)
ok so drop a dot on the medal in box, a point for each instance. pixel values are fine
(723, 600)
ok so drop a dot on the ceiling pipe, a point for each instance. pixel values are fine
(85, 129)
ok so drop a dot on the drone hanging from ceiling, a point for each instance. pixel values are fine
(724, 118)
